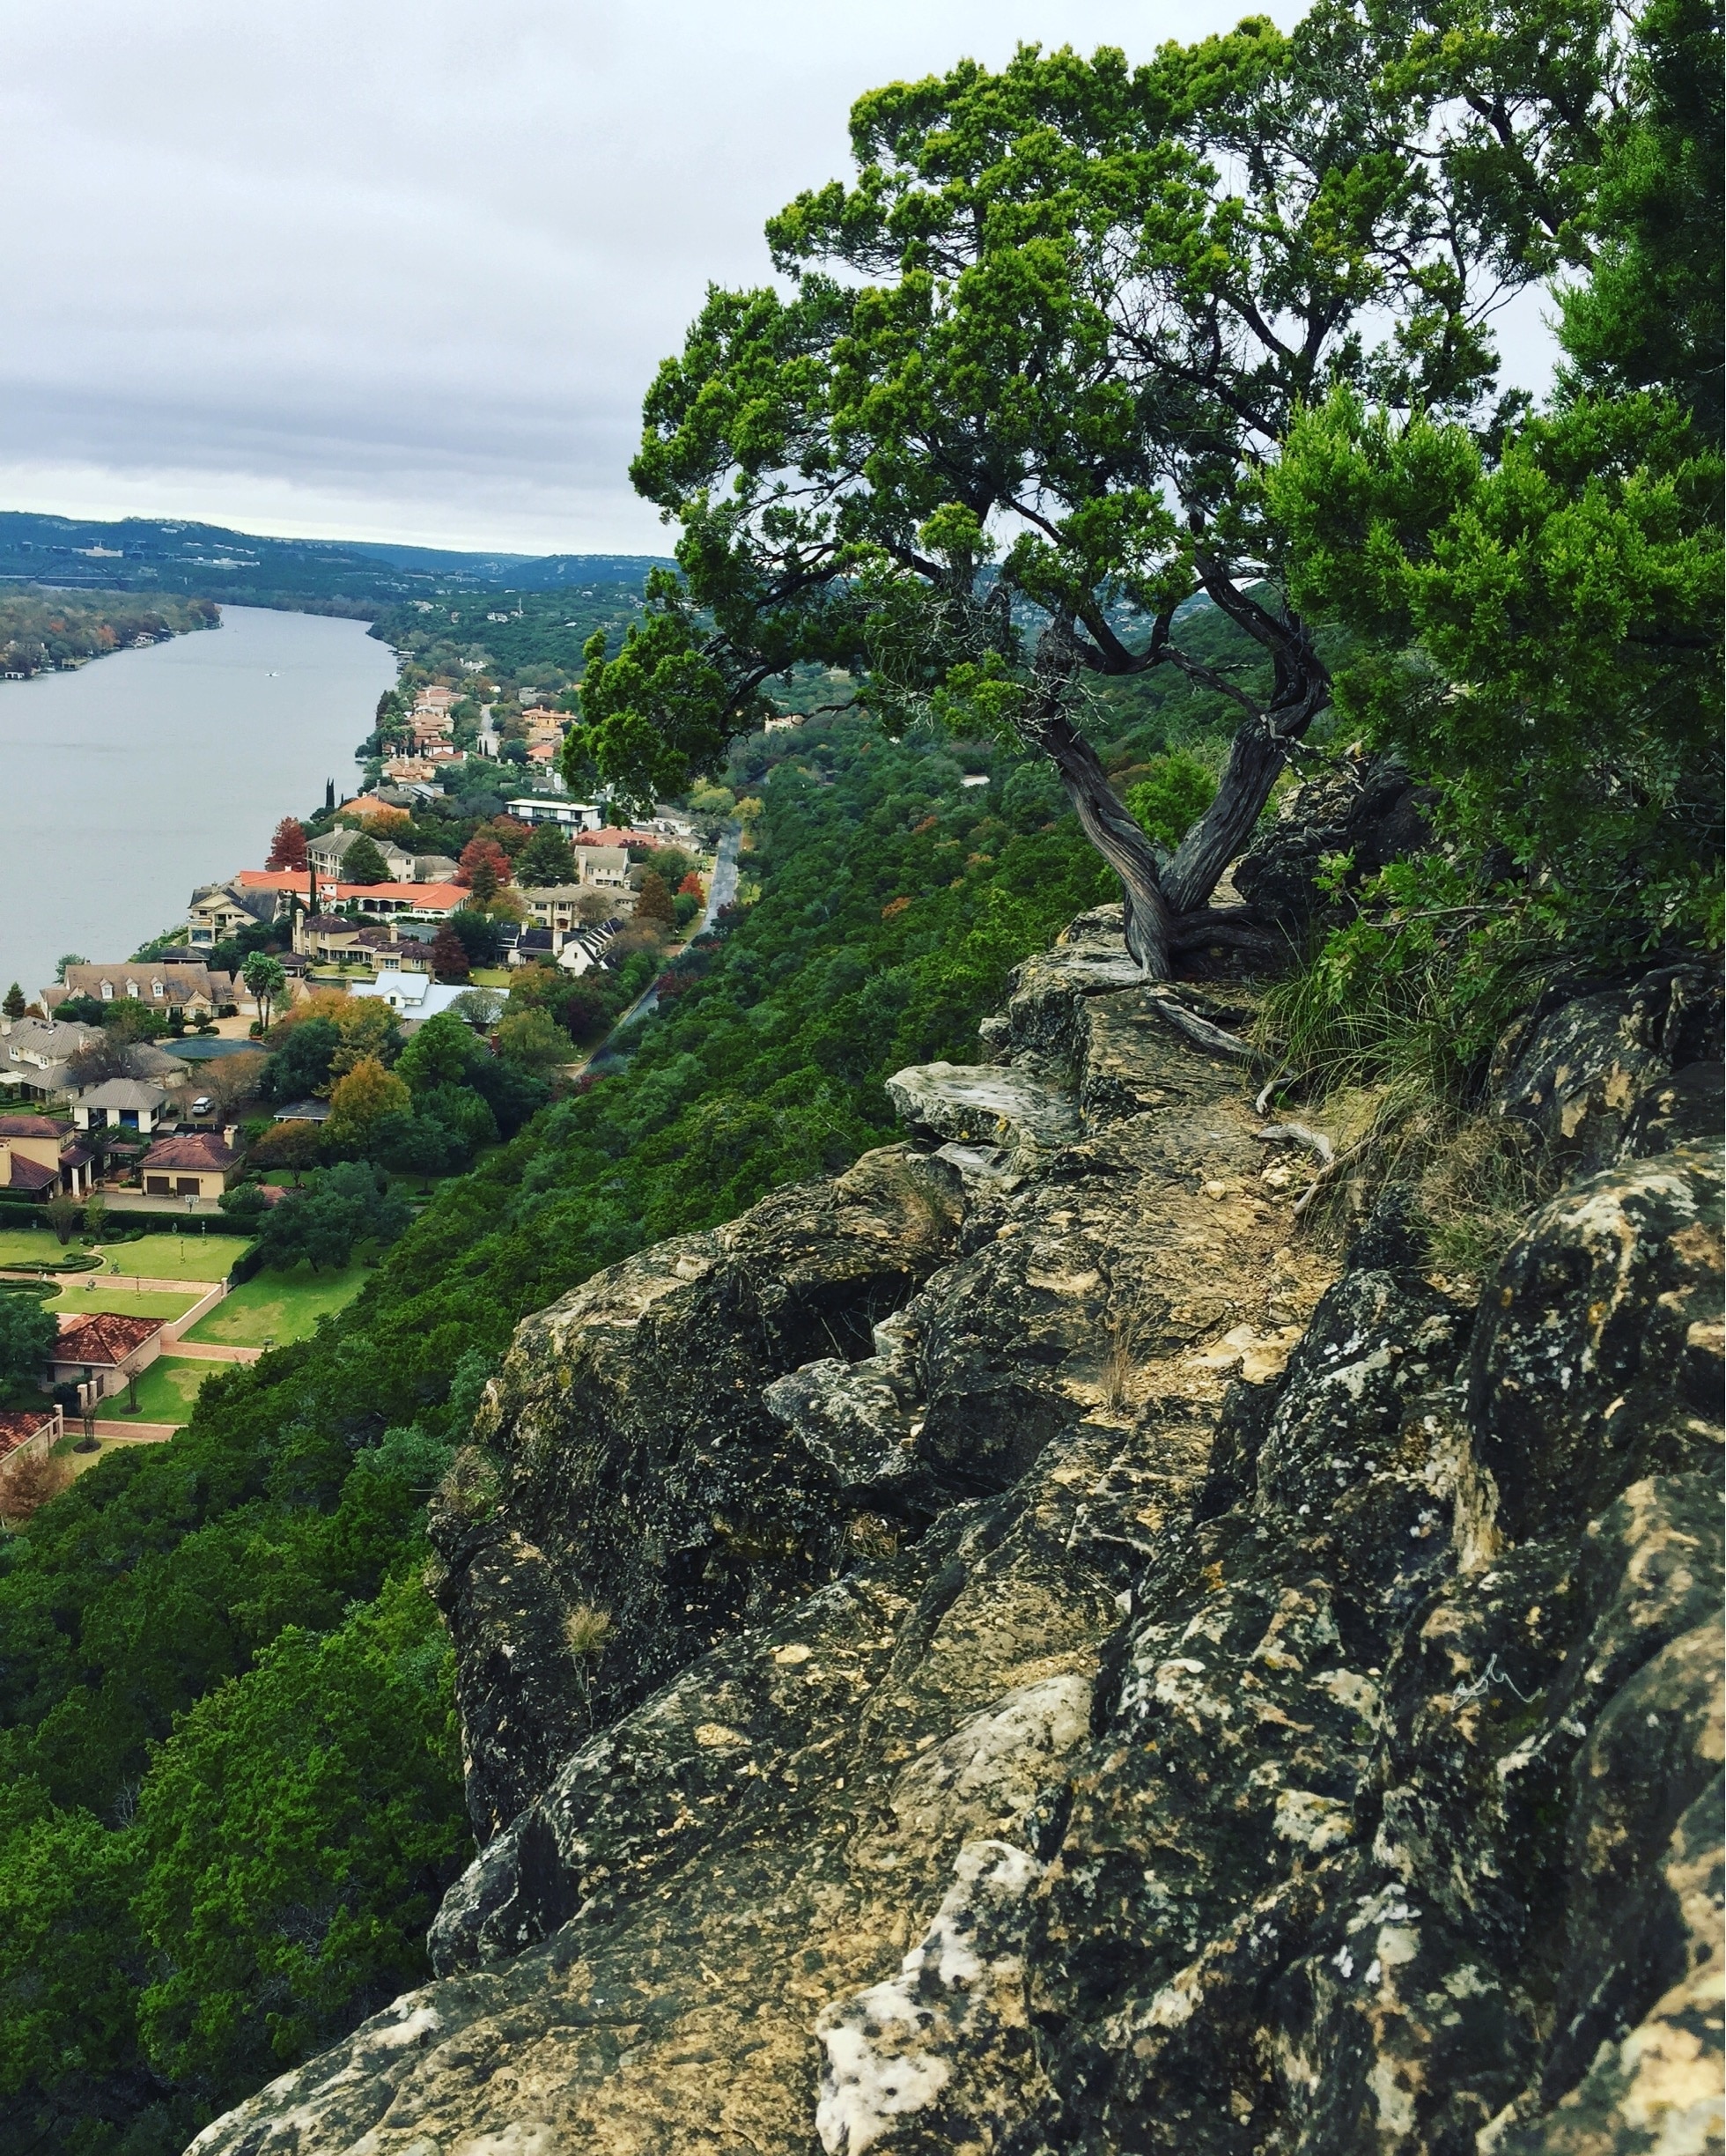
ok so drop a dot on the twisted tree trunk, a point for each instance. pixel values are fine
(1167, 898)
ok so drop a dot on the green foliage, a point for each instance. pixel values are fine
(1541, 627)
(347, 1203)
(364, 863)
(27, 1331)
(443, 1052)
(300, 1069)
(1003, 425)
(1650, 313)
(1177, 792)
(535, 1041)
(545, 858)
(297, 1832)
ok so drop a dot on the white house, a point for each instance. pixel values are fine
(539, 809)
(411, 995)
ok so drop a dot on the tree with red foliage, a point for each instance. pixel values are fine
(691, 887)
(483, 867)
(449, 956)
(287, 847)
(507, 834)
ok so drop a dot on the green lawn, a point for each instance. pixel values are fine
(167, 1389)
(152, 1257)
(114, 1295)
(177, 1257)
(280, 1306)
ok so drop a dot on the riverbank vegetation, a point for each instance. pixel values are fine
(41, 632)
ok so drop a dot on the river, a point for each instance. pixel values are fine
(143, 774)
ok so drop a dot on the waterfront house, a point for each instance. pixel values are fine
(304, 1111)
(542, 808)
(411, 996)
(428, 901)
(559, 906)
(195, 1164)
(381, 901)
(185, 992)
(102, 1349)
(535, 946)
(585, 947)
(219, 910)
(326, 854)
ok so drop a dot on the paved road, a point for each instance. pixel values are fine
(721, 890)
(722, 886)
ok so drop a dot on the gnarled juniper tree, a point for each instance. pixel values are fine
(1010, 415)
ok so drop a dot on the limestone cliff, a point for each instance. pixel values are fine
(1015, 1650)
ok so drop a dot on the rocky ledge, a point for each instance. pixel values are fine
(1014, 1651)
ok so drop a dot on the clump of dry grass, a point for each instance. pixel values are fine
(586, 1631)
(469, 1486)
(1479, 1189)
(1120, 1359)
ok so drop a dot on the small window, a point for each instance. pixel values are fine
(107, 992)
(156, 989)
(131, 992)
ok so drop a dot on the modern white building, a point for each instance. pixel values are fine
(541, 809)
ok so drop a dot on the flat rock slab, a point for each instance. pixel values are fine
(982, 1102)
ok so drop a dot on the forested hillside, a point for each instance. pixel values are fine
(159, 555)
(230, 1783)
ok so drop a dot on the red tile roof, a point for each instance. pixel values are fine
(30, 1126)
(101, 1336)
(427, 894)
(19, 1426)
(272, 878)
(28, 1174)
(201, 1150)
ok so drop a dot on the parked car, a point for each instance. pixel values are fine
(203, 1104)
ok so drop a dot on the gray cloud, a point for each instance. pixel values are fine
(390, 271)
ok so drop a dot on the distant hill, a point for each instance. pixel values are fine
(161, 554)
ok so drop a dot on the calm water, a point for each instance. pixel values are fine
(124, 785)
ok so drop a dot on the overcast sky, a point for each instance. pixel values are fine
(363, 268)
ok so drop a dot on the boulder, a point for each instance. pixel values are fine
(643, 1502)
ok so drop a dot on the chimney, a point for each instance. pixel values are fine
(230, 1136)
